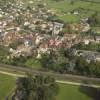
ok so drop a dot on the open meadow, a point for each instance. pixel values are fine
(66, 92)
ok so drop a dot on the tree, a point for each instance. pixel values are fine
(94, 68)
(71, 2)
(46, 61)
(15, 44)
(55, 61)
(36, 88)
(82, 66)
(94, 20)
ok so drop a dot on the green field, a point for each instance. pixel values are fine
(66, 92)
(69, 92)
(7, 83)
(64, 6)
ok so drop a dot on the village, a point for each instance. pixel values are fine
(49, 49)
(32, 34)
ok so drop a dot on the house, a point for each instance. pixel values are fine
(97, 39)
(86, 41)
(22, 50)
(41, 51)
(76, 12)
(1, 15)
(81, 27)
(89, 55)
(57, 27)
(97, 57)
(86, 27)
(38, 39)
(26, 23)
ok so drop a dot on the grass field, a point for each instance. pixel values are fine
(65, 6)
(69, 18)
(66, 92)
(7, 83)
(69, 92)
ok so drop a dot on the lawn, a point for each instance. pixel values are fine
(66, 92)
(7, 83)
(69, 92)
(69, 18)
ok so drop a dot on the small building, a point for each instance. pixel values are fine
(57, 27)
(97, 39)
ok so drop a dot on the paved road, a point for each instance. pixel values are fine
(62, 78)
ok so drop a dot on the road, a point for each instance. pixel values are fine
(60, 78)
(58, 81)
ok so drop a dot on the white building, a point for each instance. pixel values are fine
(57, 27)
